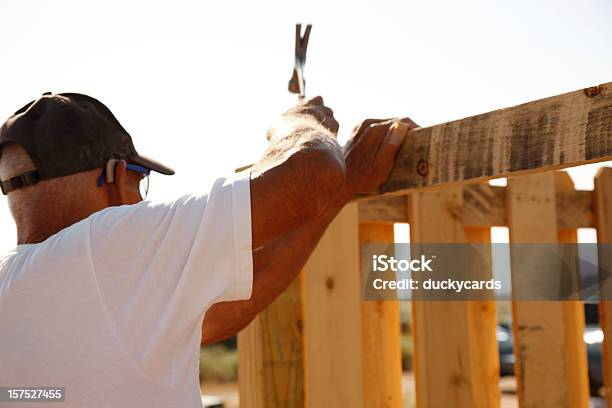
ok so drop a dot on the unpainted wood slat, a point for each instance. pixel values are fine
(382, 366)
(603, 217)
(270, 355)
(485, 206)
(332, 321)
(561, 131)
(455, 354)
(573, 311)
(550, 364)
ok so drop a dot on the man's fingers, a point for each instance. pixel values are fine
(331, 124)
(369, 127)
(319, 111)
(315, 100)
(375, 133)
(409, 122)
(390, 145)
(397, 133)
(365, 124)
(391, 130)
(326, 110)
(371, 153)
(324, 115)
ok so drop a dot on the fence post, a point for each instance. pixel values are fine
(332, 318)
(456, 362)
(484, 350)
(382, 365)
(270, 354)
(603, 223)
(550, 356)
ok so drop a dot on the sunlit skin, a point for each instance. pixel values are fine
(126, 188)
(51, 205)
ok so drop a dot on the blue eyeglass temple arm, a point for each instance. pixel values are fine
(133, 167)
(139, 169)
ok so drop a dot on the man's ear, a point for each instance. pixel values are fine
(117, 189)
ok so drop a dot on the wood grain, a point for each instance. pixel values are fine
(485, 206)
(332, 322)
(550, 355)
(603, 217)
(552, 133)
(484, 351)
(382, 360)
(270, 355)
(455, 351)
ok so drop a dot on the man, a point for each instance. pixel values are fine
(106, 294)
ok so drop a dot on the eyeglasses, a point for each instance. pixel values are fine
(144, 181)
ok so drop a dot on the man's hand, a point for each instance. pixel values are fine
(370, 153)
(311, 113)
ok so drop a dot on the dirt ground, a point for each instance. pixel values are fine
(229, 393)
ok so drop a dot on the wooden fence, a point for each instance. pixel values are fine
(321, 345)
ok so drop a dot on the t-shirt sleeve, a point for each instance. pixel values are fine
(160, 266)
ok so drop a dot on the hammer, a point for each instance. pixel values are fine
(296, 83)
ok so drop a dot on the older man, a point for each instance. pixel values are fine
(106, 294)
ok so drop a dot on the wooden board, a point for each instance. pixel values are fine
(485, 206)
(484, 351)
(270, 355)
(603, 216)
(573, 311)
(332, 322)
(560, 131)
(382, 365)
(550, 354)
(455, 351)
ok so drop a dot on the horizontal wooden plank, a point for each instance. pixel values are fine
(388, 209)
(561, 131)
(485, 206)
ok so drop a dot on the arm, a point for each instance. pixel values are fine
(298, 187)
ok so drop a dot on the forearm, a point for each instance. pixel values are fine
(276, 265)
(295, 193)
(298, 180)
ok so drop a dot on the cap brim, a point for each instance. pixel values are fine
(152, 164)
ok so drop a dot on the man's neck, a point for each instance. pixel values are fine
(37, 235)
(38, 229)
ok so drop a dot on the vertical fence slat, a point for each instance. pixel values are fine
(603, 223)
(332, 318)
(270, 355)
(577, 364)
(548, 358)
(250, 366)
(483, 321)
(382, 366)
(447, 337)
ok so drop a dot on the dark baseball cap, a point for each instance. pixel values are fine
(69, 133)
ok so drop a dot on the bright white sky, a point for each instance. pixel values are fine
(197, 83)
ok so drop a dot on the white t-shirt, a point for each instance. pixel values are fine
(111, 308)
